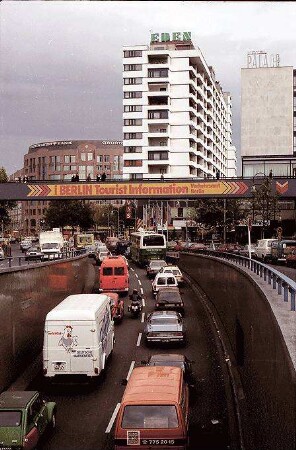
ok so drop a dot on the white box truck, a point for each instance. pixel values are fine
(78, 336)
(51, 244)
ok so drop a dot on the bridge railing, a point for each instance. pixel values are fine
(22, 261)
(280, 282)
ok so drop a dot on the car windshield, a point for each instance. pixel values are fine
(164, 321)
(10, 418)
(167, 363)
(50, 245)
(157, 263)
(150, 416)
(170, 297)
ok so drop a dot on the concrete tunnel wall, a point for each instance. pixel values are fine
(27, 294)
(259, 353)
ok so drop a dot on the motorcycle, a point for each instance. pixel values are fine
(135, 308)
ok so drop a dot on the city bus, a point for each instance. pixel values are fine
(147, 245)
(84, 240)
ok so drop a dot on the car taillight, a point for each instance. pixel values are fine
(157, 304)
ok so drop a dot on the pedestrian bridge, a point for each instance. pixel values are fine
(147, 189)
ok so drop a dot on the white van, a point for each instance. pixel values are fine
(263, 249)
(163, 280)
(78, 336)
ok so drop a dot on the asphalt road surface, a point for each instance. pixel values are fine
(85, 409)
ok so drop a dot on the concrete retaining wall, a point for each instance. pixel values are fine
(26, 295)
(260, 355)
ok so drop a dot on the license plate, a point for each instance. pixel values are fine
(157, 441)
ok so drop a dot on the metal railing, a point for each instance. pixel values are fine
(280, 282)
(23, 261)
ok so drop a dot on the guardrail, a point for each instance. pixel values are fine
(279, 281)
(22, 261)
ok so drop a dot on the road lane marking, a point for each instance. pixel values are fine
(130, 369)
(143, 302)
(113, 417)
(140, 283)
(139, 340)
(136, 275)
(142, 291)
(132, 269)
(143, 317)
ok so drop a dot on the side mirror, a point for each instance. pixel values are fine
(124, 382)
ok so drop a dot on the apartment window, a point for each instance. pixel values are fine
(73, 168)
(106, 158)
(132, 122)
(132, 67)
(132, 53)
(132, 149)
(116, 162)
(100, 158)
(158, 114)
(157, 73)
(72, 158)
(90, 156)
(133, 108)
(67, 159)
(132, 136)
(100, 168)
(134, 80)
(132, 94)
(83, 156)
(66, 168)
(133, 163)
(158, 156)
(54, 177)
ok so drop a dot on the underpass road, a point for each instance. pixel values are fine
(84, 409)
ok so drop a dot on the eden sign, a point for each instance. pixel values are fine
(166, 37)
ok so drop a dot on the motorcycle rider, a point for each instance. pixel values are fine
(136, 301)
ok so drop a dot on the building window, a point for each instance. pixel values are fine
(158, 114)
(106, 158)
(54, 177)
(72, 158)
(154, 156)
(133, 163)
(132, 149)
(66, 168)
(99, 168)
(133, 108)
(116, 163)
(89, 156)
(132, 94)
(100, 158)
(67, 159)
(132, 53)
(158, 73)
(132, 136)
(132, 122)
(132, 67)
(73, 168)
(83, 156)
(135, 80)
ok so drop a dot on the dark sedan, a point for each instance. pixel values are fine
(168, 359)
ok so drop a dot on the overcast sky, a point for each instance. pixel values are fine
(61, 61)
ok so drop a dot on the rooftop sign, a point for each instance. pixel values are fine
(166, 37)
(50, 144)
(259, 59)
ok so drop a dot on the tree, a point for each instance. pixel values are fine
(265, 206)
(5, 205)
(73, 213)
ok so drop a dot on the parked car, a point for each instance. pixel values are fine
(197, 246)
(164, 327)
(117, 306)
(24, 417)
(163, 280)
(2, 255)
(33, 254)
(169, 298)
(175, 271)
(154, 267)
(172, 360)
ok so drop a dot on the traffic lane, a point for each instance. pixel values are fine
(208, 404)
(84, 410)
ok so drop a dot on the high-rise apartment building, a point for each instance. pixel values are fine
(176, 118)
(268, 126)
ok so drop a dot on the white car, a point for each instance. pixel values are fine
(163, 280)
(175, 271)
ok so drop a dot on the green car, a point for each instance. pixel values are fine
(24, 416)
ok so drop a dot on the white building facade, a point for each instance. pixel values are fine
(177, 121)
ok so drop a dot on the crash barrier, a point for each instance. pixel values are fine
(27, 294)
(259, 331)
(283, 284)
(19, 261)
